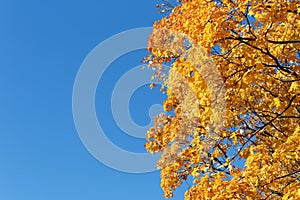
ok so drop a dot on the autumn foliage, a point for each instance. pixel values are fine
(233, 125)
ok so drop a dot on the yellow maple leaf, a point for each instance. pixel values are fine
(294, 86)
(251, 13)
(277, 102)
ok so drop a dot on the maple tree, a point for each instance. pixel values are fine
(233, 99)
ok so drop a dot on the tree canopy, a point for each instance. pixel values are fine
(233, 99)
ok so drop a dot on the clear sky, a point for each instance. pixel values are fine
(42, 45)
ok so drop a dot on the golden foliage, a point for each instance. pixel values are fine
(251, 50)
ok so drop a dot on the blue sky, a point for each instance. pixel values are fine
(43, 44)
